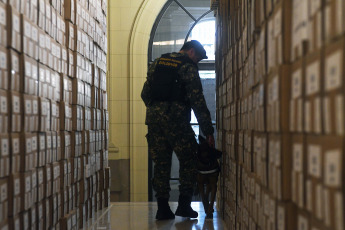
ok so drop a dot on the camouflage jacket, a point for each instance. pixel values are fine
(179, 111)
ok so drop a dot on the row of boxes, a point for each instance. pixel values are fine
(274, 116)
(65, 214)
(25, 111)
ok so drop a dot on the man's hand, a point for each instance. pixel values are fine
(210, 140)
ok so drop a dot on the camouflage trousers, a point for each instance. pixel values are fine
(162, 140)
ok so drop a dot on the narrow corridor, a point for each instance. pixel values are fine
(141, 215)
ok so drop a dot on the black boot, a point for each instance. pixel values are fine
(184, 209)
(164, 212)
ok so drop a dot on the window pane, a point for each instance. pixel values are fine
(196, 7)
(204, 32)
(171, 31)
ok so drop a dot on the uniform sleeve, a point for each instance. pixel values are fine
(195, 96)
(146, 91)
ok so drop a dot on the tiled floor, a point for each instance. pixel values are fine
(141, 216)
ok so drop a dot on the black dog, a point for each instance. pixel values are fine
(208, 172)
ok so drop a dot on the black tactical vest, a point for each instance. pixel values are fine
(166, 85)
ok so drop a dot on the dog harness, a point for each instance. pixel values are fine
(209, 171)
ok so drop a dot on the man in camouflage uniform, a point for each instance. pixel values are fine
(168, 114)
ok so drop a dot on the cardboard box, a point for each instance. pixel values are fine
(4, 111)
(65, 144)
(71, 32)
(299, 170)
(315, 25)
(55, 177)
(47, 178)
(49, 143)
(4, 155)
(55, 116)
(77, 118)
(14, 32)
(41, 159)
(280, 164)
(61, 30)
(313, 89)
(30, 75)
(30, 37)
(33, 12)
(15, 103)
(53, 32)
(15, 82)
(42, 47)
(30, 120)
(299, 32)
(71, 67)
(277, 97)
(4, 65)
(278, 35)
(66, 118)
(70, 11)
(44, 114)
(42, 85)
(79, 87)
(4, 192)
(48, 17)
(41, 14)
(333, 99)
(3, 25)
(54, 146)
(334, 11)
(297, 96)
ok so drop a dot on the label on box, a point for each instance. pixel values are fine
(2, 16)
(34, 107)
(16, 104)
(314, 160)
(16, 186)
(42, 42)
(3, 192)
(296, 84)
(42, 142)
(48, 173)
(297, 157)
(28, 145)
(27, 29)
(34, 143)
(333, 169)
(333, 76)
(5, 147)
(15, 143)
(28, 68)
(40, 177)
(340, 114)
(34, 180)
(28, 105)
(34, 34)
(3, 60)
(15, 63)
(16, 23)
(313, 78)
(3, 101)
